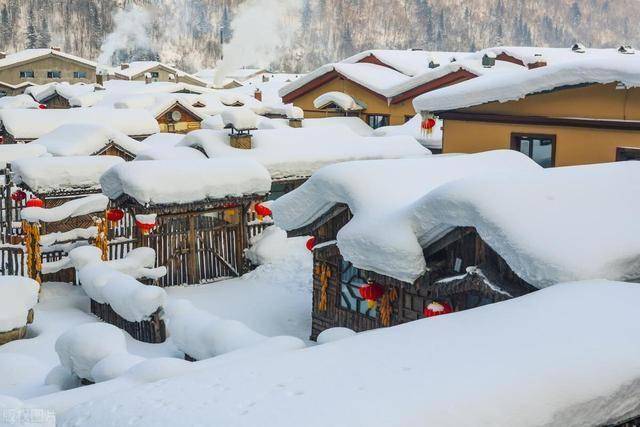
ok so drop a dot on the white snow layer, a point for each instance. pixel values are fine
(18, 101)
(184, 181)
(298, 153)
(514, 86)
(82, 206)
(47, 174)
(11, 152)
(341, 99)
(381, 236)
(413, 128)
(85, 139)
(240, 118)
(561, 224)
(34, 123)
(589, 379)
(82, 346)
(17, 296)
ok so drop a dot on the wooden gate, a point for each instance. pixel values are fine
(197, 247)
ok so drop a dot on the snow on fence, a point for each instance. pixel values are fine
(18, 296)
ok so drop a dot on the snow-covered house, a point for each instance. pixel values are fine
(153, 71)
(292, 155)
(569, 112)
(464, 231)
(379, 85)
(58, 95)
(22, 69)
(20, 126)
(88, 139)
(192, 212)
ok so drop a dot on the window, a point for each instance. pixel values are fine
(54, 74)
(26, 74)
(377, 120)
(540, 148)
(627, 153)
(350, 281)
(155, 74)
(79, 74)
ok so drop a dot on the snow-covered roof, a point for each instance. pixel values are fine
(18, 101)
(514, 86)
(408, 62)
(157, 104)
(550, 55)
(41, 92)
(341, 99)
(240, 118)
(570, 223)
(72, 208)
(11, 152)
(298, 152)
(53, 174)
(32, 54)
(413, 128)
(380, 194)
(84, 139)
(136, 68)
(169, 152)
(32, 124)
(185, 181)
(545, 358)
(165, 139)
(17, 296)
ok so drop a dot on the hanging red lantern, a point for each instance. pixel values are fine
(262, 210)
(42, 107)
(115, 215)
(436, 308)
(18, 196)
(34, 202)
(371, 292)
(145, 223)
(428, 124)
(311, 243)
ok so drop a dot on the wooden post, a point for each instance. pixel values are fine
(193, 254)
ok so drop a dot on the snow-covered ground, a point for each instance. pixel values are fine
(274, 299)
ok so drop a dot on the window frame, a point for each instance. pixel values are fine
(516, 141)
(348, 290)
(154, 74)
(50, 74)
(25, 72)
(627, 153)
(387, 117)
(79, 74)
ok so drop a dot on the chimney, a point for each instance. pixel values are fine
(124, 66)
(258, 94)
(240, 139)
(626, 50)
(489, 60)
(56, 48)
(295, 116)
(433, 64)
(265, 78)
(295, 123)
(578, 48)
(147, 78)
(3, 55)
(539, 62)
(100, 79)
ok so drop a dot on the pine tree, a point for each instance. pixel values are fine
(32, 35)
(5, 26)
(44, 37)
(225, 26)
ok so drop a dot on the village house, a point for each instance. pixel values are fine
(40, 66)
(446, 241)
(153, 71)
(379, 85)
(58, 95)
(21, 126)
(570, 112)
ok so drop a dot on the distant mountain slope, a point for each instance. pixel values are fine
(187, 32)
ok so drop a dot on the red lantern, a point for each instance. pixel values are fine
(371, 292)
(42, 107)
(436, 308)
(428, 124)
(18, 196)
(262, 210)
(34, 202)
(115, 215)
(311, 243)
(145, 223)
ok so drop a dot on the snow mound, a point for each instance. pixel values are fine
(202, 335)
(11, 152)
(240, 118)
(413, 128)
(382, 201)
(81, 347)
(49, 174)
(18, 295)
(114, 366)
(73, 208)
(272, 245)
(185, 181)
(334, 334)
(18, 101)
(341, 99)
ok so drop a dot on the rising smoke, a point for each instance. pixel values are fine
(130, 34)
(260, 35)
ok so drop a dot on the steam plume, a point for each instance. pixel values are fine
(130, 32)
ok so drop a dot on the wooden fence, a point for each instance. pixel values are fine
(151, 331)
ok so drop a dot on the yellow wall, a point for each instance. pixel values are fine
(40, 67)
(163, 76)
(375, 104)
(179, 127)
(574, 145)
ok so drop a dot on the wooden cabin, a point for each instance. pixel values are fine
(567, 113)
(153, 71)
(197, 213)
(453, 248)
(178, 118)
